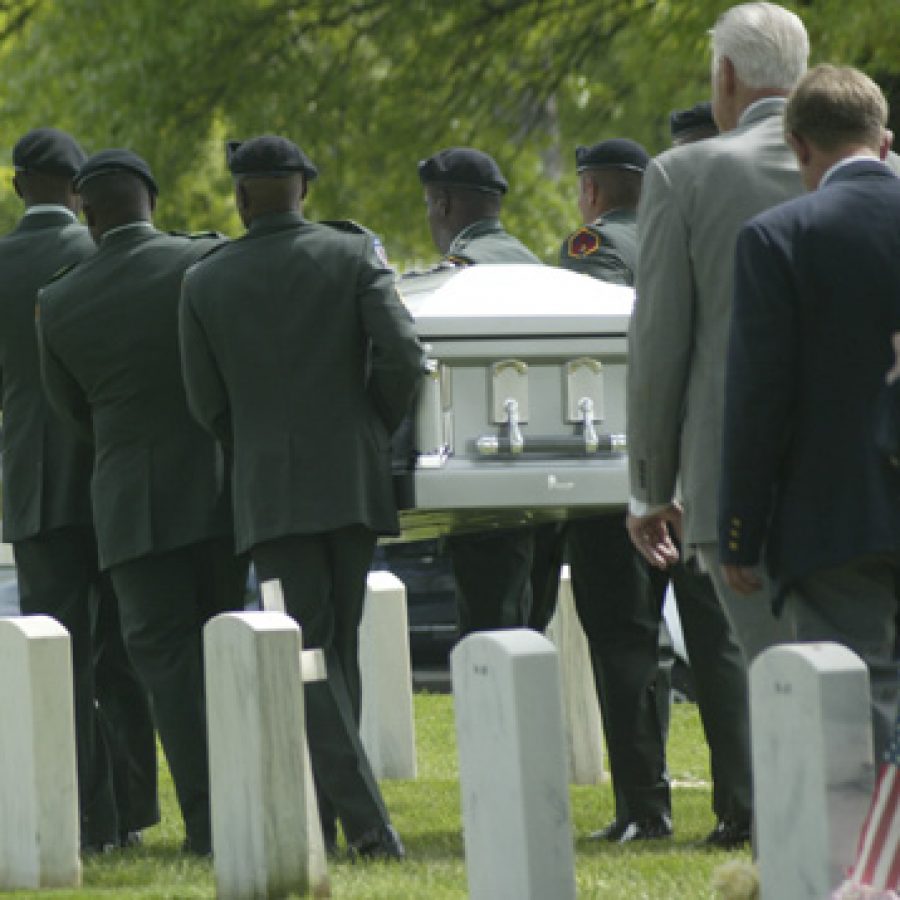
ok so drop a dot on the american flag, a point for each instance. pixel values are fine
(877, 865)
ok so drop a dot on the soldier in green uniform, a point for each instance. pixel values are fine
(46, 506)
(619, 597)
(108, 334)
(611, 596)
(300, 358)
(464, 191)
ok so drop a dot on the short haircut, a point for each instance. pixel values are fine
(833, 106)
(766, 43)
(473, 203)
(621, 187)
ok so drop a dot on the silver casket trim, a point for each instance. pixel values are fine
(544, 312)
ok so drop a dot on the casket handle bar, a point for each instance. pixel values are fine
(515, 439)
(493, 445)
(591, 441)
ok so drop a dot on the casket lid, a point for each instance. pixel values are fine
(520, 300)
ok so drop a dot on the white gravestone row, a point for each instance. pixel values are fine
(387, 726)
(581, 709)
(267, 838)
(512, 767)
(38, 789)
(812, 766)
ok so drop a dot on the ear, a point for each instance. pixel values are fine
(241, 197)
(729, 78)
(17, 187)
(152, 201)
(443, 201)
(304, 187)
(89, 217)
(800, 146)
(887, 141)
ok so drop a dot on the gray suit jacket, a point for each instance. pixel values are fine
(694, 200)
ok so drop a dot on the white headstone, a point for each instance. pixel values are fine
(512, 767)
(272, 595)
(581, 709)
(39, 839)
(267, 840)
(387, 726)
(812, 765)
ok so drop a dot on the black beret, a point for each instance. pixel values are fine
(684, 121)
(48, 150)
(463, 167)
(269, 155)
(107, 162)
(616, 153)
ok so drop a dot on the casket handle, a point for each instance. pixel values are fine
(552, 445)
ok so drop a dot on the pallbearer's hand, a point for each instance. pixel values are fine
(652, 535)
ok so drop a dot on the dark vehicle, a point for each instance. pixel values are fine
(424, 567)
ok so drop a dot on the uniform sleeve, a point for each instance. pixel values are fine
(63, 391)
(397, 358)
(206, 395)
(605, 264)
(659, 341)
(759, 391)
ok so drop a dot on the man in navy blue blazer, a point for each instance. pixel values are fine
(804, 485)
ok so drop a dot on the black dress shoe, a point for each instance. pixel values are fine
(729, 834)
(98, 848)
(380, 843)
(625, 831)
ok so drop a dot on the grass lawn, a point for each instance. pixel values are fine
(426, 813)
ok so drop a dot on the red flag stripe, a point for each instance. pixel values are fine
(882, 848)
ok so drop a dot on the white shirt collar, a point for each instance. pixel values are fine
(39, 208)
(847, 161)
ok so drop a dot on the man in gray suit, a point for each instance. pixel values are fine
(695, 199)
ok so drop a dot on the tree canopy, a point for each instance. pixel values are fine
(369, 87)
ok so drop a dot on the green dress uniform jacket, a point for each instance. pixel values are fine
(605, 249)
(111, 366)
(47, 517)
(46, 468)
(486, 241)
(308, 419)
(300, 357)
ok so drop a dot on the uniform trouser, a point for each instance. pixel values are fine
(720, 679)
(126, 719)
(323, 577)
(57, 573)
(164, 601)
(621, 623)
(754, 624)
(493, 578)
(856, 605)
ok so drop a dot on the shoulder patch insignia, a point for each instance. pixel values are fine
(380, 252)
(583, 242)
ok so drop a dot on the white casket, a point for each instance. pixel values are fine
(522, 418)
